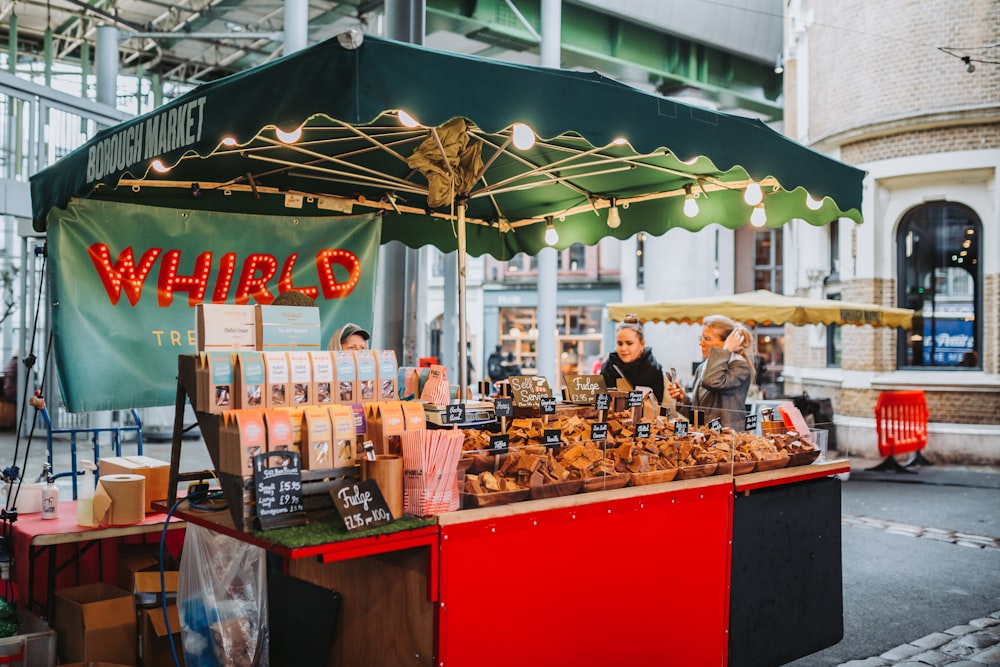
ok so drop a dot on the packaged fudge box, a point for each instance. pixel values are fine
(250, 378)
(414, 418)
(388, 375)
(317, 438)
(224, 326)
(301, 377)
(242, 436)
(216, 382)
(276, 373)
(321, 391)
(345, 377)
(342, 419)
(386, 426)
(287, 328)
(278, 425)
(365, 362)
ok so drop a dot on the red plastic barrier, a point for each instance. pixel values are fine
(901, 422)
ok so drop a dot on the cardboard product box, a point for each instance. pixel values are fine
(154, 642)
(156, 472)
(95, 622)
(360, 422)
(242, 436)
(139, 572)
(317, 439)
(321, 392)
(388, 375)
(278, 424)
(414, 418)
(288, 328)
(216, 381)
(301, 378)
(224, 326)
(295, 417)
(345, 374)
(250, 377)
(386, 426)
(367, 364)
(277, 380)
(344, 450)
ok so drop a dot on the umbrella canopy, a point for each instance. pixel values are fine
(764, 307)
(322, 132)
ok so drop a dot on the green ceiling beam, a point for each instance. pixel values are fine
(623, 49)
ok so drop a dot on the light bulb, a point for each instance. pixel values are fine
(288, 137)
(758, 218)
(614, 217)
(551, 235)
(753, 194)
(159, 167)
(228, 141)
(813, 204)
(406, 119)
(690, 205)
(524, 138)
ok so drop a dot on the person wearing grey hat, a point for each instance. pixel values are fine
(349, 337)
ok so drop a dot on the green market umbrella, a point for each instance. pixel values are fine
(332, 130)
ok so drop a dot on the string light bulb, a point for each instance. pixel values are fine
(759, 217)
(523, 137)
(288, 137)
(813, 204)
(406, 119)
(614, 217)
(753, 194)
(969, 67)
(690, 205)
(159, 167)
(551, 235)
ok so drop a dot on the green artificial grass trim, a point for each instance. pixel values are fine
(333, 530)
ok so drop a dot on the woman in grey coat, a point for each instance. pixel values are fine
(723, 379)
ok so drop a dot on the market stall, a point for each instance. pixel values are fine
(373, 138)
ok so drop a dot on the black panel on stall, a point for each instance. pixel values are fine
(301, 617)
(786, 593)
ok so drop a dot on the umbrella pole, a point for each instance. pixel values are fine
(463, 364)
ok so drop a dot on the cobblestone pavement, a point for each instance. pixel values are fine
(974, 644)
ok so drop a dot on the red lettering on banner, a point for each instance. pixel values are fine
(326, 260)
(252, 285)
(123, 274)
(226, 270)
(285, 281)
(195, 284)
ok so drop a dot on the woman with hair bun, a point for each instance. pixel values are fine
(723, 379)
(632, 360)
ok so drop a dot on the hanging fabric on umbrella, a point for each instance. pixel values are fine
(449, 160)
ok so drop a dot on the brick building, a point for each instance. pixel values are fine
(887, 87)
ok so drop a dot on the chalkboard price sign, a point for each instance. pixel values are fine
(751, 424)
(603, 401)
(715, 425)
(361, 505)
(642, 430)
(635, 399)
(548, 405)
(680, 427)
(527, 390)
(599, 431)
(455, 413)
(504, 407)
(499, 444)
(278, 491)
(552, 437)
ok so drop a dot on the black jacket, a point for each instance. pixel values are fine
(643, 372)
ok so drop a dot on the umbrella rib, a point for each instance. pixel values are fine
(377, 180)
(320, 157)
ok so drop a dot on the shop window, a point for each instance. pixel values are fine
(578, 337)
(768, 260)
(940, 278)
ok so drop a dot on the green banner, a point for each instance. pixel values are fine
(126, 279)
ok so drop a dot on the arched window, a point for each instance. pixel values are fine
(940, 278)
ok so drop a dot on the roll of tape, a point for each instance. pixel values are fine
(120, 499)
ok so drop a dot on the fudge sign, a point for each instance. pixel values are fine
(361, 505)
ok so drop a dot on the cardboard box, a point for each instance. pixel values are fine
(344, 452)
(367, 366)
(280, 435)
(388, 375)
(242, 436)
(321, 391)
(95, 622)
(301, 378)
(386, 426)
(345, 374)
(288, 328)
(277, 393)
(223, 326)
(215, 378)
(156, 472)
(154, 642)
(139, 572)
(317, 439)
(250, 378)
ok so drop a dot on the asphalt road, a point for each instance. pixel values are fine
(921, 555)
